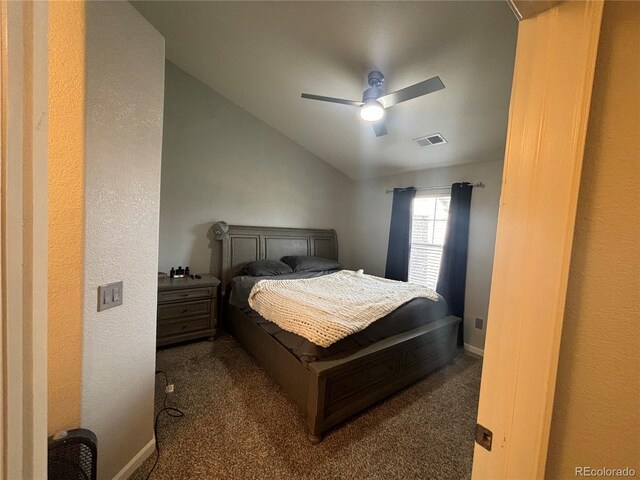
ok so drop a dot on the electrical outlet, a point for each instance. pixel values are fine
(109, 295)
(479, 323)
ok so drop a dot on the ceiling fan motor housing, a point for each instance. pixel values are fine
(375, 90)
(375, 78)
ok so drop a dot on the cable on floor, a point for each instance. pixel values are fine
(170, 411)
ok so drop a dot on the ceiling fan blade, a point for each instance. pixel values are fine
(419, 89)
(342, 101)
(379, 128)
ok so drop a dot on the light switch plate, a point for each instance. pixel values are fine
(109, 295)
(479, 323)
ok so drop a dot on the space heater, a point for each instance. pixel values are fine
(73, 455)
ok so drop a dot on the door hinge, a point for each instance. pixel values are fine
(484, 436)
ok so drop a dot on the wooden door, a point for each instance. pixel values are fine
(553, 77)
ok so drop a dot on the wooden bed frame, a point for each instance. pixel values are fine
(335, 388)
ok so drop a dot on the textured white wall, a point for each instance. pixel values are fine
(124, 103)
(221, 163)
(596, 410)
(372, 214)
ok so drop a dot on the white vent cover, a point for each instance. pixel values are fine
(428, 140)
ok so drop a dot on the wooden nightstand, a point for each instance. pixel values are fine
(187, 309)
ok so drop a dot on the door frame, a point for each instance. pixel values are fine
(548, 116)
(23, 238)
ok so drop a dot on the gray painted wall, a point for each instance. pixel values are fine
(124, 101)
(221, 163)
(372, 214)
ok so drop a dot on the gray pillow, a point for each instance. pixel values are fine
(305, 263)
(263, 268)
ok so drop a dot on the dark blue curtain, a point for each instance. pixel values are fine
(400, 234)
(453, 266)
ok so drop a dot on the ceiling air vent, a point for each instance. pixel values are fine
(427, 140)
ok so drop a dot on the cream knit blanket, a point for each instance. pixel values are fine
(331, 307)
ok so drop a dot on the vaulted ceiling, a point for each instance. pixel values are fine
(263, 55)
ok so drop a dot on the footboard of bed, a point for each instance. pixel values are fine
(344, 385)
(333, 389)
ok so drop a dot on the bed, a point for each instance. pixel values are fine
(328, 388)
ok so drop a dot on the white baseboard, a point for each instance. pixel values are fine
(474, 350)
(136, 461)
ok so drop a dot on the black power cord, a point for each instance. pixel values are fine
(171, 411)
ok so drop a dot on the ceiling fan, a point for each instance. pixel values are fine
(374, 101)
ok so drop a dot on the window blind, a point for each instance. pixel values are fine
(430, 215)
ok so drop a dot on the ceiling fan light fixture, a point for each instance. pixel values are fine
(371, 111)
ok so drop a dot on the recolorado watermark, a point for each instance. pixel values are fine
(605, 472)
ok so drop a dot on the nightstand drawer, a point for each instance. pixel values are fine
(178, 327)
(185, 294)
(184, 309)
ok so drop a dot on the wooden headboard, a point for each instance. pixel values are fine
(244, 244)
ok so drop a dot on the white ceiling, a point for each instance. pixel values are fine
(263, 55)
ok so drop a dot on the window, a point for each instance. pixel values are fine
(430, 215)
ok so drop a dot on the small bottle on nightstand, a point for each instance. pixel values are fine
(172, 272)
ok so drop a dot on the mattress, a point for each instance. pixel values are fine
(413, 314)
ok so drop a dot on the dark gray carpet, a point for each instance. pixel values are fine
(239, 424)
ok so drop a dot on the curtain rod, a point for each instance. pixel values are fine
(441, 187)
